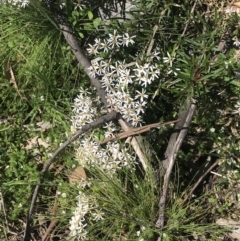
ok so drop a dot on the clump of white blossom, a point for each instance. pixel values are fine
(78, 223)
(125, 85)
(125, 88)
(19, 3)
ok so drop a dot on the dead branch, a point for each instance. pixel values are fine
(11, 77)
(54, 221)
(177, 129)
(185, 121)
(83, 60)
(3, 210)
(100, 121)
(135, 131)
(199, 180)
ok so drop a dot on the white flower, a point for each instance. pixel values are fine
(155, 54)
(84, 92)
(92, 71)
(236, 42)
(97, 215)
(168, 59)
(153, 73)
(141, 95)
(142, 78)
(127, 112)
(141, 70)
(64, 195)
(79, 5)
(142, 228)
(212, 129)
(173, 71)
(19, 3)
(105, 46)
(110, 126)
(83, 183)
(93, 49)
(117, 68)
(98, 43)
(62, 5)
(114, 40)
(127, 39)
(98, 67)
(107, 84)
(106, 64)
(237, 110)
(76, 223)
(126, 77)
(24, 3)
(139, 107)
(136, 119)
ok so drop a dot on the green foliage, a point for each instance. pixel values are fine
(128, 204)
(42, 83)
(40, 78)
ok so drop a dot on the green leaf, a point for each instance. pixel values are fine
(236, 83)
(101, 137)
(81, 35)
(11, 44)
(90, 15)
(88, 26)
(96, 22)
(75, 14)
(14, 183)
(212, 200)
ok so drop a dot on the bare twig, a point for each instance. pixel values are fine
(135, 131)
(177, 129)
(83, 60)
(11, 77)
(53, 221)
(186, 121)
(2, 208)
(199, 180)
(106, 118)
(155, 29)
(191, 13)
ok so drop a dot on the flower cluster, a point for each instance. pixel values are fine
(77, 222)
(89, 152)
(110, 158)
(117, 79)
(85, 109)
(20, 3)
(125, 86)
(114, 40)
